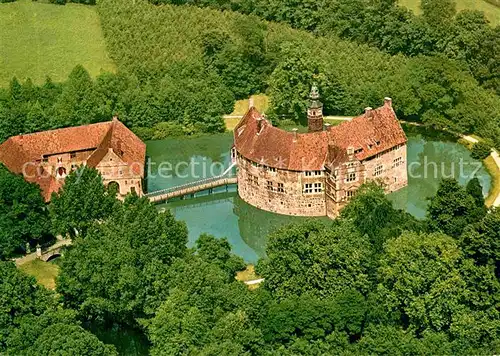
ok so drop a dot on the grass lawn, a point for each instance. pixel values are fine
(491, 11)
(231, 122)
(44, 272)
(248, 275)
(40, 39)
(260, 101)
(492, 168)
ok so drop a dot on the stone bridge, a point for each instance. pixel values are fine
(52, 251)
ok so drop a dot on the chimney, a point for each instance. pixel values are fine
(115, 117)
(327, 126)
(368, 112)
(250, 102)
(388, 102)
(294, 130)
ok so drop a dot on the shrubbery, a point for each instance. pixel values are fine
(480, 150)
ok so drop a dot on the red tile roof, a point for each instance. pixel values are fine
(16, 151)
(367, 134)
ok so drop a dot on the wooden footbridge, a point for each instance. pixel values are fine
(225, 179)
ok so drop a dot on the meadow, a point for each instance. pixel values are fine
(491, 11)
(40, 39)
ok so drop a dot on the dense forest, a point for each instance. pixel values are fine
(183, 67)
(440, 30)
(373, 281)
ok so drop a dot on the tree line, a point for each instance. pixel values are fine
(184, 67)
(375, 280)
(465, 36)
(183, 107)
(249, 56)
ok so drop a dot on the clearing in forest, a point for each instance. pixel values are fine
(491, 11)
(40, 39)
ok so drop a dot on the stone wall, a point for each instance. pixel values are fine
(394, 169)
(279, 191)
(113, 169)
(388, 168)
(282, 191)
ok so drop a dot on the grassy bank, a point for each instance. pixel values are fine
(260, 101)
(40, 39)
(44, 272)
(494, 171)
(491, 11)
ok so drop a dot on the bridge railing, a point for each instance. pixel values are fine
(191, 184)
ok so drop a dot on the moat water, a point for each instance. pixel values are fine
(224, 214)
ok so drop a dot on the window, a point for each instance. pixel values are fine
(351, 177)
(397, 162)
(271, 169)
(270, 186)
(313, 188)
(349, 164)
(72, 155)
(308, 173)
(358, 150)
(317, 173)
(45, 159)
(255, 164)
(59, 160)
(350, 194)
(255, 180)
(281, 188)
(378, 170)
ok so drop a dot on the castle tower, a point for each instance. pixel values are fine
(315, 111)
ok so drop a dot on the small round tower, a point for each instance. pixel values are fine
(315, 111)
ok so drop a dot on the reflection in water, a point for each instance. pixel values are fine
(429, 162)
(225, 215)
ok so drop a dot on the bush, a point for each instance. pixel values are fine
(144, 133)
(480, 150)
(167, 129)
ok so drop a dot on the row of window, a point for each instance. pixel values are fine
(267, 168)
(379, 169)
(280, 188)
(313, 173)
(313, 188)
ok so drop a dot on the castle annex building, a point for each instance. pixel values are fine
(318, 172)
(45, 158)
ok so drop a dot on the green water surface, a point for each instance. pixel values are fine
(224, 214)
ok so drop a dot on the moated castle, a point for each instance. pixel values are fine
(318, 172)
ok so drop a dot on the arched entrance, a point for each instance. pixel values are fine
(114, 187)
